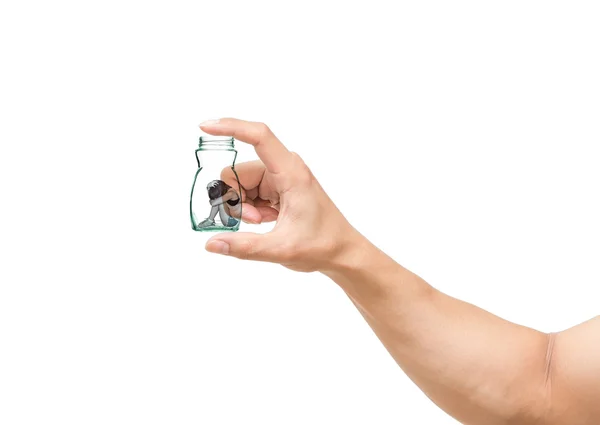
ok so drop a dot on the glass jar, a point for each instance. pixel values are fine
(215, 205)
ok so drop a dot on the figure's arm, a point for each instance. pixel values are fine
(477, 367)
(218, 201)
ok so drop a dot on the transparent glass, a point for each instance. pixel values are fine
(215, 205)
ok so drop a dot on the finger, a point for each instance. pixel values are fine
(268, 148)
(252, 193)
(259, 202)
(250, 214)
(247, 246)
(256, 215)
(249, 174)
(267, 214)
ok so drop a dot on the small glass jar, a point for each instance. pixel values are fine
(215, 205)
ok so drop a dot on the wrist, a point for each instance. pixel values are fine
(356, 257)
(369, 275)
(349, 255)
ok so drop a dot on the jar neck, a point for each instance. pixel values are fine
(217, 153)
(215, 143)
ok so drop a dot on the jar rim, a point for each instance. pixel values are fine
(215, 142)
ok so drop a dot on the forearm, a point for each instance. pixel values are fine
(477, 367)
(216, 201)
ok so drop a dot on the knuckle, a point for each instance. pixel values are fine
(226, 174)
(298, 161)
(302, 172)
(262, 130)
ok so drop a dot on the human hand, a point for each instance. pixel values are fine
(311, 234)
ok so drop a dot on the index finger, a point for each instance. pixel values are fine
(269, 149)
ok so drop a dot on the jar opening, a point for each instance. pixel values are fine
(215, 142)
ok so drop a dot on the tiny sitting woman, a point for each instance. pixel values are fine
(225, 201)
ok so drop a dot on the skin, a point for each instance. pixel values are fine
(227, 197)
(477, 367)
(217, 209)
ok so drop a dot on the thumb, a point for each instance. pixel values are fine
(245, 245)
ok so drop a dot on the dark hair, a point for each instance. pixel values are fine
(217, 188)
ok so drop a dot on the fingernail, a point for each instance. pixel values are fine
(208, 122)
(217, 247)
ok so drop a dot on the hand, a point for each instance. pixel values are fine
(311, 234)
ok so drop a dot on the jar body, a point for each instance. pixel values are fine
(215, 205)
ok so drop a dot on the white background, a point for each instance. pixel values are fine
(473, 124)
